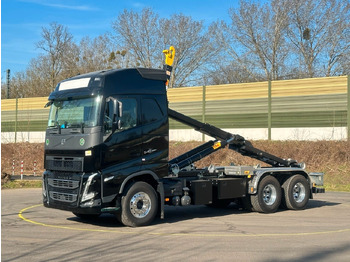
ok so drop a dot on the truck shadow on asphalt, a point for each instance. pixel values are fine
(175, 214)
(172, 215)
(313, 203)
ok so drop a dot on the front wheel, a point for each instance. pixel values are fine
(268, 197)
(139, 206)
(296, 192)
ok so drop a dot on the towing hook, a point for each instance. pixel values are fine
(169, 55)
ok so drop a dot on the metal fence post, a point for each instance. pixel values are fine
(16, 119)
(22, 170)
(269, 113)
(348, 108)
(34, 166)
(8, 83)
(203, 109)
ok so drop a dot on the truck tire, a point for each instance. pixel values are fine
(139, 206)
(268, 197)
(296, 192)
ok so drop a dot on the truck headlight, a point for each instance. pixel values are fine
(44, 186)
(89, 193)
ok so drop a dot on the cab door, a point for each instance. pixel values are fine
(124, 145)
(122, 148)
(155, 130)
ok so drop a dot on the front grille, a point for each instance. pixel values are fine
(64, 163)
(61, 183)
(63, 197)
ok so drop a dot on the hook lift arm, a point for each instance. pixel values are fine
(223, 138)
(169, 60)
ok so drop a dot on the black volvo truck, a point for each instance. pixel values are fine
(107, 145)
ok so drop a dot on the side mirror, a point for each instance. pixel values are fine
(120, 109)
(117, 112)
(48, 104)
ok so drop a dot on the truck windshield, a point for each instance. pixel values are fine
(75, 113)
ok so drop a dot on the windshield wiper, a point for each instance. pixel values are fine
(56, 129)
(81, 125)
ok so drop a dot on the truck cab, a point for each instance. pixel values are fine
(104, 128)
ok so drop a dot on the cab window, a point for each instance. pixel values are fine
(128, 115)
(151, 111)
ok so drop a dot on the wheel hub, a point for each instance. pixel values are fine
(269, 194)
(140, 205)
(299, 192)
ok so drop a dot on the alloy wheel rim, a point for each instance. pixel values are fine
(269, 194)
(299, 192)
(140, 205)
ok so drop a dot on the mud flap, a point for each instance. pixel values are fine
(160, 190)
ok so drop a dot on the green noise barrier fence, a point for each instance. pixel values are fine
(311, 102)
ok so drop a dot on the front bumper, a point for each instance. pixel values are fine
(76, 192)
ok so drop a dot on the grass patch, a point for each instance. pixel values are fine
(22, 184)
(337, 187)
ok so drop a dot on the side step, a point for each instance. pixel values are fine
(110, 209)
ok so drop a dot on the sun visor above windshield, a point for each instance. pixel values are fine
(74, 84)
(154, 74)
(79, 86)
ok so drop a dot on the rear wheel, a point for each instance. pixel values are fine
(139, 206)
(268, 197)
(296, 192)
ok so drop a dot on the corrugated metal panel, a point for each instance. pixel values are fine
(185, 94)
(234, 106)
(41, 114)
(310, 86)
(281, 88)
(299, 87)
(218, 92)
(302, 102)
(330, 102)
(24, 103)
(237, 91)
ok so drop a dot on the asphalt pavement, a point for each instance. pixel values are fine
(31, 232)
